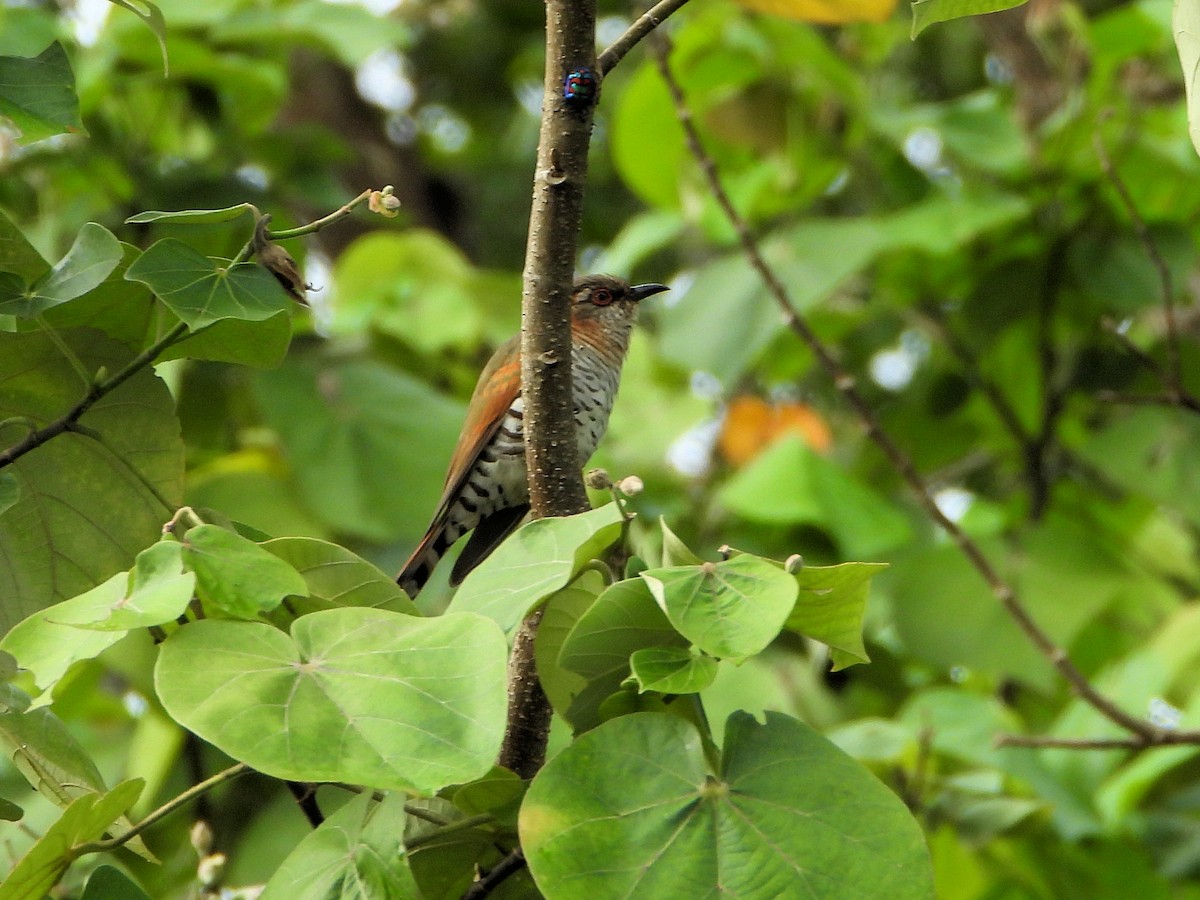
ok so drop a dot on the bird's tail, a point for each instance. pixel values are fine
(424, 559)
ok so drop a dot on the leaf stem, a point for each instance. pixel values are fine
(162, 812)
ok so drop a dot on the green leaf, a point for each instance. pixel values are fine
(9, 811)
(236, 575)
(927, 12)
(87, 819)
(415, 704)
(539, 559)
(1185, 21)
(729, 609)
(10, 491)
(674, 551)
(47, 645)
(831, 606)
(622, 620)
(497, 793)
(87, 264)
(562, 611)
(355, 853)
(201, 291)
(261, 345)
(159, 591)
(348, 428)
(338, 577)
(48, 756)
(789, 483)
(192, 216)
(38, 94)
(92, 498)
(672, 670)
(125, 311)
(107, 883)
(631, 809)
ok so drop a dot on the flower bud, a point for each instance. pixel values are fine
(597, 479)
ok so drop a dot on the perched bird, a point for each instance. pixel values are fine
(487, 488)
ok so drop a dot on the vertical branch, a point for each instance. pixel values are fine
(555, 487)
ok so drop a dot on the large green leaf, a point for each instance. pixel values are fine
(261, 344)
(107, 883)
(539, 559)
(202, 291)
(38, 94)
(414, 704)
(561, 612)
(87, 264)
(17, 255)
(92, 497)
(48, 755)
(730, 609)
(368, 445)
(85, 820)
(632, 809)
(355, 853)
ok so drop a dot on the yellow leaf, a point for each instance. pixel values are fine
(827, 12)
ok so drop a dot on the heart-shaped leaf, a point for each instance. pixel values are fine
(672, 670)
(732, 608)
(201, 291)
(631, 809)
(338, 577)
(359, 695)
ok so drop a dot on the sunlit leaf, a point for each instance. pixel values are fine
(672, 670)
(1185, 19)
(192, 216)
(236, 575)
(831, 606)
(729, 609)
(87, 819)
(338, 577)
(632, 809)
(415, 703)
(539, 558)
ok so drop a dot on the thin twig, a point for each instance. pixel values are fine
(846, 385)
(1187, 401)
(340, 213)
(448, 829)
(1173, 378)
(645, 24)
(163, 811)
(510, 865)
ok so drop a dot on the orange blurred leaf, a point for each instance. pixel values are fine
(827, 12)
(751, 424)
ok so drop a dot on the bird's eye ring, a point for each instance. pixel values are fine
(602, 296)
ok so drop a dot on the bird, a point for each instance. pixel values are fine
(487, 488)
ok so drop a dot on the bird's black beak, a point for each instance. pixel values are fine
(642, 291)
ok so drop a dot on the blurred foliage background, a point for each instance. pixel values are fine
(937, 207)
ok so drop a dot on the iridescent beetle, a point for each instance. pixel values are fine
(580, 87)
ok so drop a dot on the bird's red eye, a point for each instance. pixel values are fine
(602, 296)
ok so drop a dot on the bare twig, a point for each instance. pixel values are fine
(645, 24)
(846, 385)
(1133, 742)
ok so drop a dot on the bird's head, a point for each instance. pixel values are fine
(608, 300)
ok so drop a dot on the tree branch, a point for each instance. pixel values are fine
(511, 864)
(846, 386)
(645, 24)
